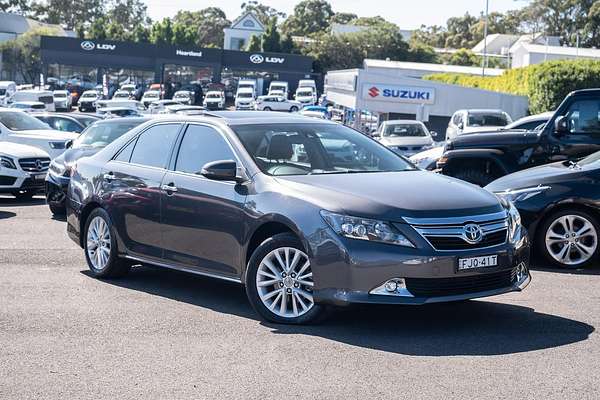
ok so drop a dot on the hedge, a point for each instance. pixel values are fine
(545, 84)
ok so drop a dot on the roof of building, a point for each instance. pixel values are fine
(15, 23)
(558, 50)
(495, 42)
(236, 23)
(432, 68)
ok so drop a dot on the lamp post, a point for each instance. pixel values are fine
(485, 31)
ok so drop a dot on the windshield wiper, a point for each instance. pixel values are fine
(574, 165)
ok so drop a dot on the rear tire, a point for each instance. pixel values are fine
(474, 176)
(294, 109)
(267, 109)
(100, 247)
(282, 293)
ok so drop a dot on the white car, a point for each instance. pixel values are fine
(279, 93)
(20, 127)
(7, 90)
(473, 121)
(42, 96)
(276, 103)
(244, 99)
(428, 159)
(183, 97)
(62, 100)
(133, 104)
(306, 95)
(150, 96)
(214, 100)
(22, 169)
(121, 95)
(158, 107)
(87, 101)
(28, 106)
(405, 137)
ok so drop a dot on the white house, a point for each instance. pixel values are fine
(524, 54)
(241, 31)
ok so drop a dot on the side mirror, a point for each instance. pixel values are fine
(461, 126)
(222, 170)
(376, 134)
(561, 125)
(69, 144)
(433, 133)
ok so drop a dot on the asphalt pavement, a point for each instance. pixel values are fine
(159, 334)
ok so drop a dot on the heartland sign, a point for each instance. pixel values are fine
(188, 53)
(399, 94)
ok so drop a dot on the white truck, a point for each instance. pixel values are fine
(279, 88)
(7, 90)
(244, 99)
(248, 84)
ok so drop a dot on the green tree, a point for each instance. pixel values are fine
(128, 14)
(69, 13)
(464, 57)
(342, 18)
(263, 12)
(591, 30)
(22, 55)
(210, 31)
(271, 40)
(115, 31)
(310, 16)
(419, 52)
(287, 44)
(183, 35)
(97, 29)
(140, 34)
(23, 7)
(162, 32)
(254, 45)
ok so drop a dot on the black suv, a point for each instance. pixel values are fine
(303, 212)
(573, 132)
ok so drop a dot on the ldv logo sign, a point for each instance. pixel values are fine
(399, 94)
(259, 59)
(88, 45)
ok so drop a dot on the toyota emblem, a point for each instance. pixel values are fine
(257, 59)
(39, 165)
(87, 45)
(472, 233)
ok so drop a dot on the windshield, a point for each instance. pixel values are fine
(60, 95)
(277, 88)
(315, 149)
(403, 130)
(101, 135)
(488, 119)
(19, 121)
(150, 95)
(89, 96)
(245, 95)
(177, 95)
(305, 93)
(120, 95)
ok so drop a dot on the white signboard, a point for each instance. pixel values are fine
(398, 93)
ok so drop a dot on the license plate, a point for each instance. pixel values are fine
(477, 262)
(39, 177)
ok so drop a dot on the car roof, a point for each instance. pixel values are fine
(233, 118)
(486, 110)
(403, 121)
(141, 120)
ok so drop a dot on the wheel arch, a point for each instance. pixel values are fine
(85, 212)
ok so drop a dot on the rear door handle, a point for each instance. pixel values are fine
(169, 188)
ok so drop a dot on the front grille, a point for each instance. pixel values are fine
(450, 234)
(30, 184)
(439, 287)
(7, 180)
(409, 148)
(34, 164)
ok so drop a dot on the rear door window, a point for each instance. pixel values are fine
(154, 144)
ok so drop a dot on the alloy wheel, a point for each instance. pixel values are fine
(284, 282)
(571, 239)
(98, 243)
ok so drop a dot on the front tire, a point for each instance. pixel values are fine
(279, 282)
(267, 109)
(100, 247)
(294, 109)
(569, 239)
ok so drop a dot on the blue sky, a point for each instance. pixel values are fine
(406, 13)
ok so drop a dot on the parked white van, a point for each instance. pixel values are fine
(247, 84)
(308, 83)
(244, 99)
(43, 96)
(279, 88)
(7, 90)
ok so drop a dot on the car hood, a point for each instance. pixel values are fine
(406, 141)
(496, 138)
(542, 175)
(433, 154)
(72, 155)
(15, 150)
(47, 134)
(393, 195)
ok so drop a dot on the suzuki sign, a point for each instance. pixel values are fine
(399, 94)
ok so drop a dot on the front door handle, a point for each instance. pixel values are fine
(170, 188)
(109, 177)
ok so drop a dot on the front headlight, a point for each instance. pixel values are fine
(514, 220)
(365, 229)
(57, 145)
(516, 195)
(7, 162)
(60, 169)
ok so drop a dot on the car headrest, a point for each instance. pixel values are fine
(280, 148)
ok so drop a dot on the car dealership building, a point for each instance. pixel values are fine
(395, 90)
(87, 62)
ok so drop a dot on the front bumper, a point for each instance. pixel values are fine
(429, 276)
(56, 189)
(18, 180)
(241, 106)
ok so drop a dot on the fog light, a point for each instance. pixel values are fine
(391, 286)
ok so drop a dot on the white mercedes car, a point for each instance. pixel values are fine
(22, 169)
(20, 127)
